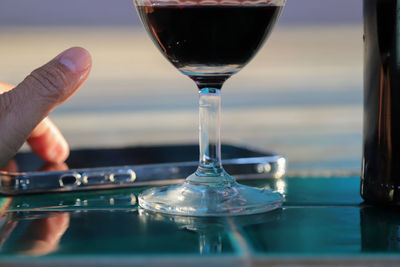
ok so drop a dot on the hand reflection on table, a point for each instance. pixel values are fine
(43, 235)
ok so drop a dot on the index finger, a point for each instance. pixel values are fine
(48, 143)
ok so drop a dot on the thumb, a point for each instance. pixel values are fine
(23, 107)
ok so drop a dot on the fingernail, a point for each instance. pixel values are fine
(76, 59)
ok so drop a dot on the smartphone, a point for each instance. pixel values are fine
(101, 168)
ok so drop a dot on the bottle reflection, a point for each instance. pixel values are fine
(380, 229)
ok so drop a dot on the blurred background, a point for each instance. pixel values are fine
(301, 96)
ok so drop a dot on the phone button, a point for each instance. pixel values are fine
(70, 179)
(108, 177)
(92, 178)
(123, 176)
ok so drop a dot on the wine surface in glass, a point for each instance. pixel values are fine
(207, 40)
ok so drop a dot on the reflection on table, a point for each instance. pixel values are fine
(323, 219)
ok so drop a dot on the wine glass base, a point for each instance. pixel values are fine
(196, 199)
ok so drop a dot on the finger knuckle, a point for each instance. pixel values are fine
(6, 103)
(48, 81)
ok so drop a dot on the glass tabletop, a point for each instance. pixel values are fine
(322, 219)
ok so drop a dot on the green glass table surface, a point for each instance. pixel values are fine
(323, 221)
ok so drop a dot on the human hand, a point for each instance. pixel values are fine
(24, 109)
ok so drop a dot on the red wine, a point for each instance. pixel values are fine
(381, 145)
(209, 42)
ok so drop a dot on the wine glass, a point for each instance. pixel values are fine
(209, 40)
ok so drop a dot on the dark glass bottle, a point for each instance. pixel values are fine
(381, 145)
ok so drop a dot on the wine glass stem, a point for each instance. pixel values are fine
(210, 133)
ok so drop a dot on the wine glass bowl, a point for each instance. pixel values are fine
(209, 40)
(205, 39)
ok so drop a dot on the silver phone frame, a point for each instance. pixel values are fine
(273, 166)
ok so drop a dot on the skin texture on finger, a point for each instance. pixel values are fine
(45, 140)
(48, 143)
(25, 106)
